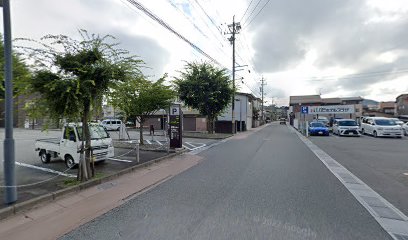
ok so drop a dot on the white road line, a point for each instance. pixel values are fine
(389, 217)
(201, 146)
(148, 142)
(159, 142)
(45, 169)
(186, 147)
(190, 144)
(119, 160)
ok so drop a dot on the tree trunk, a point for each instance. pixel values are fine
(211, 124)
(141, 130)
(85, 164)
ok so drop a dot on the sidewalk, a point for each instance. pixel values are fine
(57, 218)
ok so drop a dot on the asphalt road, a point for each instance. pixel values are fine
(381, 163)
(267, 185)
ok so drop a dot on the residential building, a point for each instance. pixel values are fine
(402, 105)
(246, 114)
(387, 108)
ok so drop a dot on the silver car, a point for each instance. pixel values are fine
(346, 127)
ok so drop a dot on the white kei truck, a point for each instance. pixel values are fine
(68, 146)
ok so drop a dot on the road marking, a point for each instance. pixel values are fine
(120, 160)
(148, 142)
(405, 173)
(186, 147)
(159, 142)
(45, 169)
(190, 144)
(389, 217)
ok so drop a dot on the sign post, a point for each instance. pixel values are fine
(175, 126)
(304, 110)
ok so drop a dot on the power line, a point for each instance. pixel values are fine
(205, 22)
(258, 13)
(208, 16)
(246, 10)
(192, 23)
(165, 25)
(250, 88)
(252, 12)
(221, 49)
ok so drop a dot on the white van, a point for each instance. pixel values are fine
(381, 127)
(111, 124)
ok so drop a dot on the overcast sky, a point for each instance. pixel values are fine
(338, 48)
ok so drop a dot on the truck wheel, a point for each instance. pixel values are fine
(69, 162)
(45, 157)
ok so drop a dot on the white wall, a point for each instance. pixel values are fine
(240, 108)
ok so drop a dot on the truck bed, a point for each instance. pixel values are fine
(48, 144)
(49, 140)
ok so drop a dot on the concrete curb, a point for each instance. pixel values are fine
(49, 197)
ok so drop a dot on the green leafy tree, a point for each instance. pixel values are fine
(71, 78)
(21, 72)
(206, 88)
(140, 98)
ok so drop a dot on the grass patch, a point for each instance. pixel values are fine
(73, 181)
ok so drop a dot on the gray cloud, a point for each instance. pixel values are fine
(274, 92)
(287, 29)
(337, 29)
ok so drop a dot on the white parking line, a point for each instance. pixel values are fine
(159, 142)
(148, 142)
(190, 144)
(196, 147)
(119, 160)
(186, 147)
(45, 169)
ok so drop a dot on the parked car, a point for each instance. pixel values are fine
(318, 128)
(381, 127)
(67, 146)
(405, 128)
(282, 121)
(348, 127)
(111, 124)
(397, 121)
(324, 120)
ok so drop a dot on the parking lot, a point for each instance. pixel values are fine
(36, 178)
(382, 163)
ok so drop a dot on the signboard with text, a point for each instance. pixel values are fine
(334, 109)
(175, 126)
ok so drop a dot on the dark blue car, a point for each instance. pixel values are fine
(318, 128)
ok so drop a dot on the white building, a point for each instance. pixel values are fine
(243, 111)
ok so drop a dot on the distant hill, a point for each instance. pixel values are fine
(367, 102)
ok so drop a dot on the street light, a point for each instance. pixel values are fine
(9, 162)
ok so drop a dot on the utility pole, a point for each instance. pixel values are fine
(9, 161)
(234, 29)
(262, 92)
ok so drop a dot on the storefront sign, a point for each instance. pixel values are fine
(335, 109)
